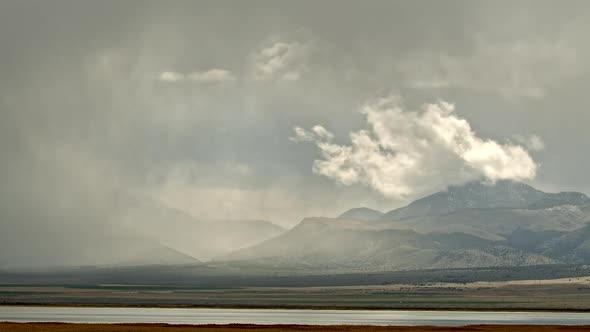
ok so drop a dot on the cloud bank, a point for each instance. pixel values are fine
(405, 153)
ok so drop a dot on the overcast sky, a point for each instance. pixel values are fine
(282, 109)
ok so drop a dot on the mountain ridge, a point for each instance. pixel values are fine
(501, 194)
(362, 213)
(475, 225)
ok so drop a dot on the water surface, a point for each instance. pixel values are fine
(282, 316)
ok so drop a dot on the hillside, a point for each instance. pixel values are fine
(481, 195)
(202, 239)
(362, 213)
(122, 250)
(332, 245)
(475, 225)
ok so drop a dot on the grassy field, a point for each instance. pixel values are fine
(58, 327)
(561, 294)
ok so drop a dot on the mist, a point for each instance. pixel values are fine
(127, 129)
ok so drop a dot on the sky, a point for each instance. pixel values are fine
(279, 110)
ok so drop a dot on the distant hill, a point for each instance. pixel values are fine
(362, 213)
(223, 236)
(331, 246)
(101, 249)
(137, 251)
(480, 195)
(573, 247)
(202, 239)
(496, 224)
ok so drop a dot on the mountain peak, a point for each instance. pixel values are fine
(361, 213)
(503, 194)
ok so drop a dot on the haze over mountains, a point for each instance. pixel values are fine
(478, 224)
(474, 225)
(362, 213)
(144, 232)
(201, 239)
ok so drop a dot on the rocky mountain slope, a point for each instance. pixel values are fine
(322, 244)
(481, 195)
(475, 225)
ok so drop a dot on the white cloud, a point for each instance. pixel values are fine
(171, 76)
(212, 75)
(208, 76)
(509, 69)
(302, 135)
(405, 153)
(281, 61)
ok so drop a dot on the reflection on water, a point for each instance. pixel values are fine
(280, 316)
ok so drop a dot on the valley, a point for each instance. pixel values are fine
(571, 294)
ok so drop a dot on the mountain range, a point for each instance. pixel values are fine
(478, 224)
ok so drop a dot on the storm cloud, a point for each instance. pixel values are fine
(110, 109)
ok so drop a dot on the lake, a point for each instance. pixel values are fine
(284, 316)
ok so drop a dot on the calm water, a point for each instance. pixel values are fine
(278, 316)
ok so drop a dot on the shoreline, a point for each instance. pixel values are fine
(250, 307)
(70, 327)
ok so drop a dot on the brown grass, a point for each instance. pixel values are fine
(63, 327)
(502, 296)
